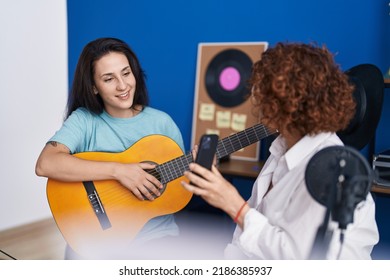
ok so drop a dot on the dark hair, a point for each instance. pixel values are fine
(299, 88)
(82, 94)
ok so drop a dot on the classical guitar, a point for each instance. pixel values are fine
(97, 215)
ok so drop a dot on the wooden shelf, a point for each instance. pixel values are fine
(241, 168)
(380, 189)
(250, 170)
(387, 83)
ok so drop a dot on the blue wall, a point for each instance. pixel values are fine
(165, 35)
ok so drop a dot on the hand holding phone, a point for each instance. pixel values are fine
(206, 152)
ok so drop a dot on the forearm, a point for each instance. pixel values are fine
(65, 167)
(236, 208)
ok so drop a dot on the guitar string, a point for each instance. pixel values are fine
(249, 137)
(175, 168)
(252, 136)
(117, 195)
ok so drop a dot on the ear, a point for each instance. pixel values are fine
(95, 91)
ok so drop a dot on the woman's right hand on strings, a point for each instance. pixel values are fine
(135, 177)
(55, 161)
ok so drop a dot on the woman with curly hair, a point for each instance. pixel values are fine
(299, 90)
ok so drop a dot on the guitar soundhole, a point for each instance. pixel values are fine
(155, 172)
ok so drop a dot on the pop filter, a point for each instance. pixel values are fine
(338, 177)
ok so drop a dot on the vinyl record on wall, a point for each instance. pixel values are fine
(227, 76)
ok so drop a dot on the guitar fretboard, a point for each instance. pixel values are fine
(175, 168)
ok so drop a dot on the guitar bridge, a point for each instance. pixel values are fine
(97, 205)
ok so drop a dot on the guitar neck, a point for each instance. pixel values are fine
(175, 168)
(242, 139)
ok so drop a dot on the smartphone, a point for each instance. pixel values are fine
(207, 148)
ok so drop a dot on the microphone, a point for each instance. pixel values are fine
(339, 178)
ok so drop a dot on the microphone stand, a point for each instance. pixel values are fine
(324, 235)
(322, 239)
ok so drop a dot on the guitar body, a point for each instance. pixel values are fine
(76, 219)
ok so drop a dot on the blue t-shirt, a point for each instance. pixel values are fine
(86, 132)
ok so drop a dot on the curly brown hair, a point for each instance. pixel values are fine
(300, 89)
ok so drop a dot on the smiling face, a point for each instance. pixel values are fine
(115, 83)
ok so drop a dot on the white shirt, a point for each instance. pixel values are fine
(284, 223)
